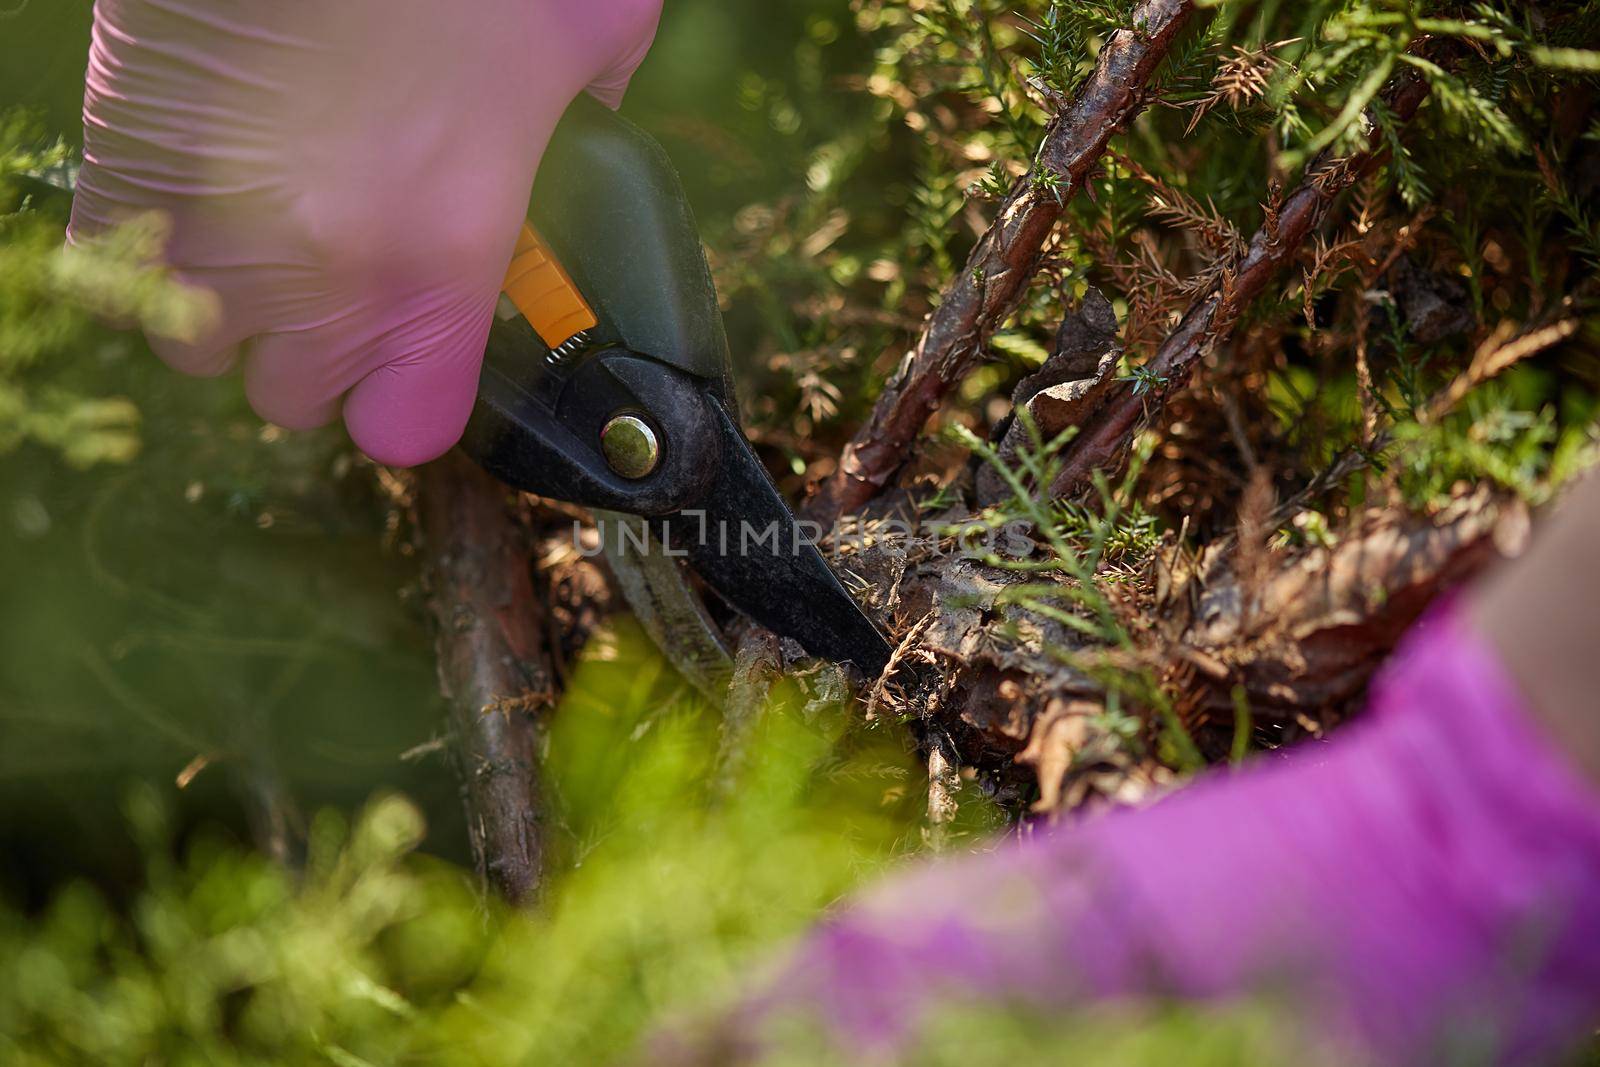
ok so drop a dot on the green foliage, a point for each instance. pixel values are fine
(1509, 434)
(958, 1036)
(47, 296)
(1066, 34)
(225, 959)
(832, 268)
(1084, 548)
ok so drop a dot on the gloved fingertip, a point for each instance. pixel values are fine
(407, 414)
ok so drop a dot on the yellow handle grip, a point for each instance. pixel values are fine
(540, 288)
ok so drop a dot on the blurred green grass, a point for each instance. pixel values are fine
(376, 955)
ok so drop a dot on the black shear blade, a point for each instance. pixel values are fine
(741, 537)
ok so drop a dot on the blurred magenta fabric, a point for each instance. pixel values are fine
(348, 176)
(1426, 884)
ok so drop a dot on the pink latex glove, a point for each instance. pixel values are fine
(348, 176)
(1425, 888)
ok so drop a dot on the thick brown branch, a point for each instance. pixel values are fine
(1103, 440)
(494, 665)
(1297, 639)
(995, 279)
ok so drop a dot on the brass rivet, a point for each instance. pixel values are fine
(630, 446)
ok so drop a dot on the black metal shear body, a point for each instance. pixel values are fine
(608, 384)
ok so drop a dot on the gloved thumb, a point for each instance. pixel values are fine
(407, 391)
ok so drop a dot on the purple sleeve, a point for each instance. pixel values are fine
(1433, 874)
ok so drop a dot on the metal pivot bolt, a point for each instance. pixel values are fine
(630, 446)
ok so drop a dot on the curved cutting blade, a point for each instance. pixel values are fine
(664, 603)
(741, 537)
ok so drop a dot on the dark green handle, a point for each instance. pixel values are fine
(611, 207)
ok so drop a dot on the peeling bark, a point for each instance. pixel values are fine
(756, 667)
(494, 663)
(1310, 637)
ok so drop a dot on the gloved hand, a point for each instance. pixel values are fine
(1426, 887)
(348, 177)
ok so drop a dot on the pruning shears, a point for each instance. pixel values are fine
(608, 384)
